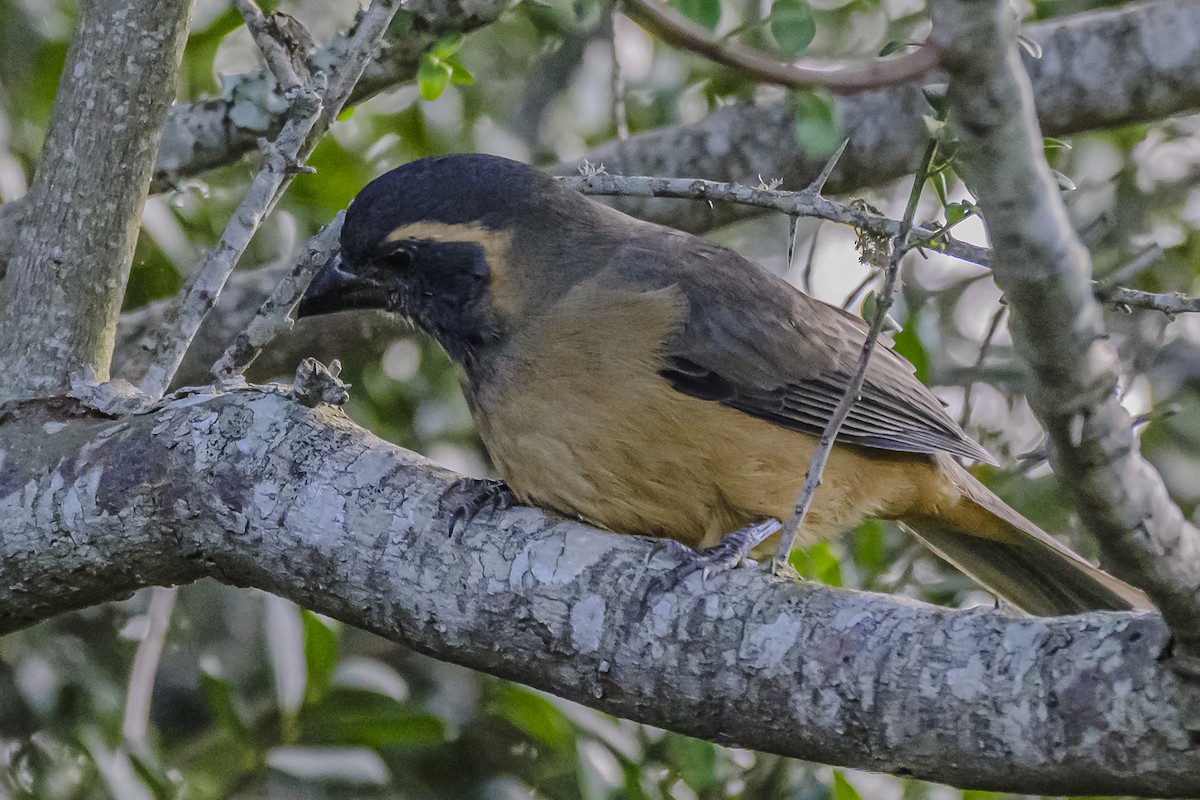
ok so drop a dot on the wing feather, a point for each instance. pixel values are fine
(753, 342)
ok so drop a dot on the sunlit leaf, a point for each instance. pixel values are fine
(957, 212)
(908, 344)
(459, 75)
(433, 76)
(817, 562)
(447, 47)
(842, 788)
(1064, 183)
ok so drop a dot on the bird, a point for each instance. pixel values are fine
(651, 382)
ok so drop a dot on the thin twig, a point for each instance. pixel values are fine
(842, 77)
(283, 51)
(1141, 261)
(804, 203)
(818, 183)
(367, 40)
(145, 666)
(807, 273)
(204, 285)
(616, 79)
(984, 347)
(273, 317)
(1169, 303)
(314, 108)
(900, 246)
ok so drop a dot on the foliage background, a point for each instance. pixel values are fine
(258, 699)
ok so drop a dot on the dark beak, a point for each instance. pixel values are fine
(336, 288)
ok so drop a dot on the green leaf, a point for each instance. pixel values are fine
(870, 548)
(221, 702)
(817, 132)
(705, 12)
(694, 760)
(153, 778)
(909, 345)
(350, 716)
(320, 655)
(818, 563)
(957, 212)
(459, 75)
(889, 47)
(447, 47)
(1050, 143)
(935, 96)
(533, 714)
(433, 77)
(842, 789)
(938, 179)
(792, 26)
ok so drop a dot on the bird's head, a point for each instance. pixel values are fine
(462, 245)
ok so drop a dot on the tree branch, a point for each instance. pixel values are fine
(368, 335)
(314, 107)
(63, 294)
(1056, 321)
(254, 489)
(842, 76)
(900, 246)
(808, 202)
(1146, 73)
(1097, 70)
(365, 334)
(273, 316)
(212, 133)
(204, 284)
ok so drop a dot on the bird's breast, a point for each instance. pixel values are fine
(576, 417)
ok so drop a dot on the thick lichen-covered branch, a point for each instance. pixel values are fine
(1058, 329)
(254, 489)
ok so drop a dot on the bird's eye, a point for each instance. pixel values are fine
(396, 261)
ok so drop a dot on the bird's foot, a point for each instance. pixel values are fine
(466, 497)
(732, 551)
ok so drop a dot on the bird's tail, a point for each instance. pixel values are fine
(1016, 559)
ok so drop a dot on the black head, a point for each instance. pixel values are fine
(433, 240)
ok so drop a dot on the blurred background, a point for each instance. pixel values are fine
(256, 698)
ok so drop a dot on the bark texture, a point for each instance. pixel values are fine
(63, 293)
(253, 489)
(1056, 321)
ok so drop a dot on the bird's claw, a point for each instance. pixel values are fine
(732, 551)
(466, 497)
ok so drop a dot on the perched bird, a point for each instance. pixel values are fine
(651, 382)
